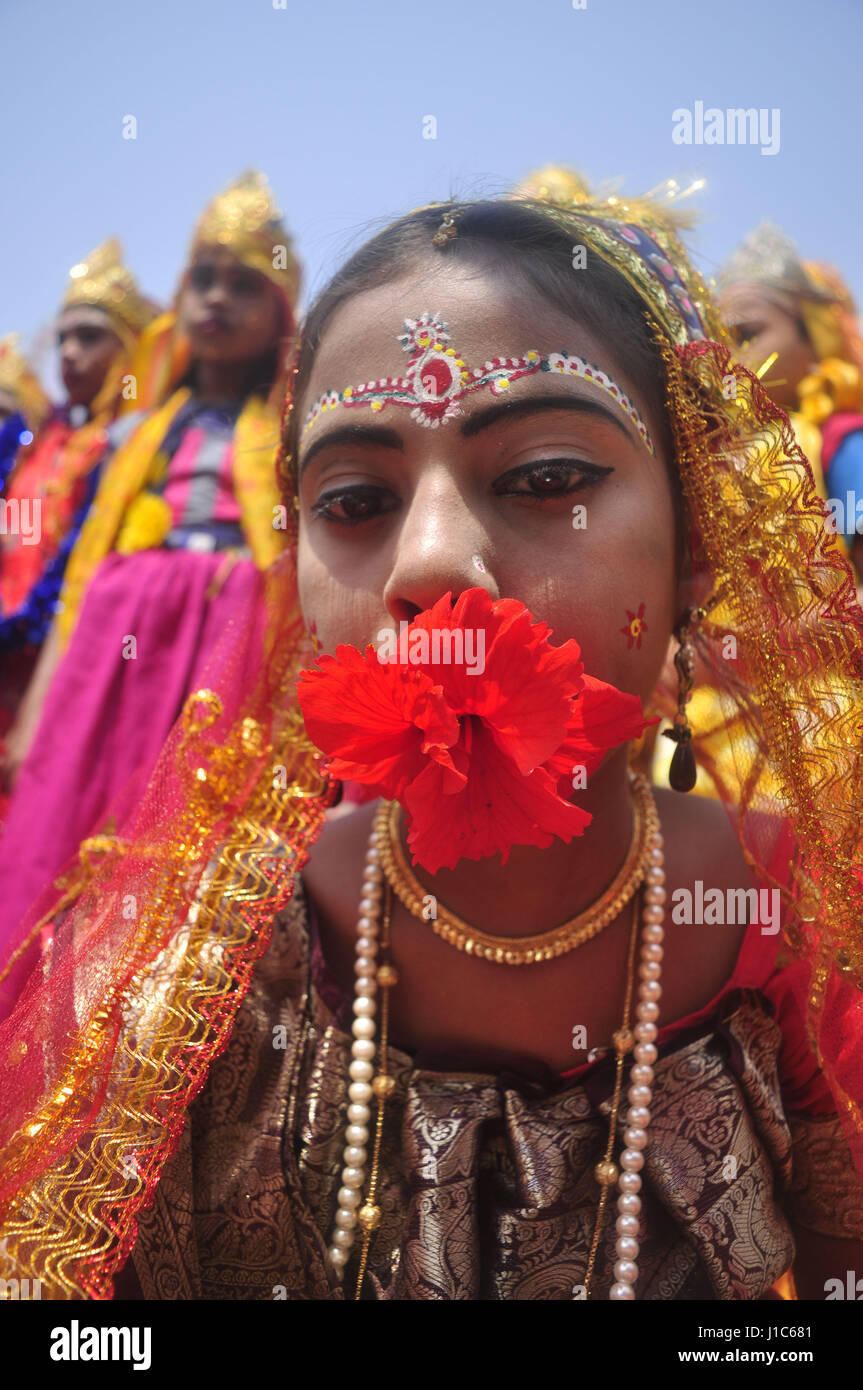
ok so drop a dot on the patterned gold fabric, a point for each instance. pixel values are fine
(825, 1193)
(487, 1185)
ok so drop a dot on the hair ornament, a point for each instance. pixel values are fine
(446, 232)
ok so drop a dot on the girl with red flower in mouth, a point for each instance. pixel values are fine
(475, 1055)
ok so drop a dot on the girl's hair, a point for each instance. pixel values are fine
(521, 242)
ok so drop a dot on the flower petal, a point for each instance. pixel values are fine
(603, 717)
(374, 716)
(524, 691)
(479, 751)
(497, 808)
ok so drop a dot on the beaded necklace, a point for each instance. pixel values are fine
(375, 979)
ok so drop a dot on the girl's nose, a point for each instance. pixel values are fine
(442, 546)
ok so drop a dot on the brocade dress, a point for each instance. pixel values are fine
(487, 1186)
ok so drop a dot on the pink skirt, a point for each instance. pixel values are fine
(148, 625)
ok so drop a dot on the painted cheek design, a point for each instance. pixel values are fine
(635, 627)
(437, 378)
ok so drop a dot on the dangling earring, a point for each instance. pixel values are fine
(682, 772)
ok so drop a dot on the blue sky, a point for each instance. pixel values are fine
(328, 98)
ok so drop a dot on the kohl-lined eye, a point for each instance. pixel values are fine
(549, 478)
(348, 506)
(202, 276)
(90, 333)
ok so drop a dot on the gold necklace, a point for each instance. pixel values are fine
(368, 1083)
(522, 950)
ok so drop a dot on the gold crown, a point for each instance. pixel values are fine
(832, 322)
(769, 259)
(102, 280)
(612, 226)
(18, 378)
(245, 219)
(553, 183)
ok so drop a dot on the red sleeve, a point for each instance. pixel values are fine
(805, 1090)
(766, 964)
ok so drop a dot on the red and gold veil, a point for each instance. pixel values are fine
(150, 943)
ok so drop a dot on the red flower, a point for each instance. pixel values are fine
(635, 627)
(479, 750)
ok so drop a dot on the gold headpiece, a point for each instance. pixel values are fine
(247, 222)
(769, 259)
(553, 183)
(638, 236)
(18, 378)
(102, 280)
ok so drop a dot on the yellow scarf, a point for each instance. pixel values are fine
(123, 518)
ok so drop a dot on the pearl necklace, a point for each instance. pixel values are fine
(641, 1076)
(373, 934)
(363, 1081)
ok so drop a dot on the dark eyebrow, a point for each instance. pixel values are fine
(481, 420)
(354, 434)
(527, 405)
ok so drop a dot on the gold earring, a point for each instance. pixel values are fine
(682, 772)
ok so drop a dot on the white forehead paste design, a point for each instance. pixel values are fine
(437, 378)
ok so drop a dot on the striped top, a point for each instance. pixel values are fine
(199, 483)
